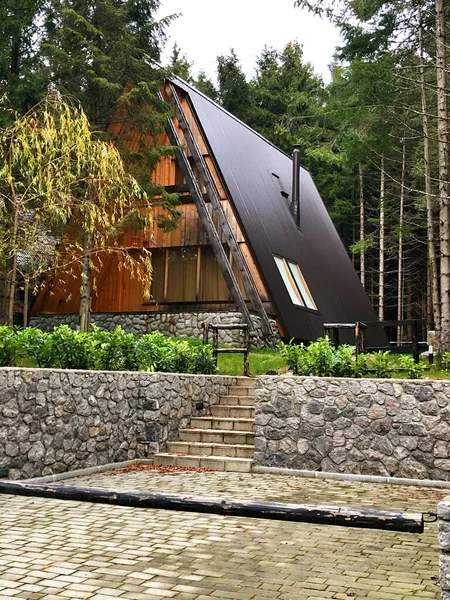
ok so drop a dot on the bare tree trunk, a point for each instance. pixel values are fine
(429, 322)
(409, 305)
(431, 236)
(444, 216)
(85, 292)
(26, 291)
(400, 247)
(16, 48)
(362, 232)
(382, 240)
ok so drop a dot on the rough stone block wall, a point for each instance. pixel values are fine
(53, 421)
(171, 324)
(392, 428)
(444, 544)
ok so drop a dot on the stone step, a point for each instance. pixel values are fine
(240, 390)
(237, 400)
(216, 436)
(217, 463)
(246, 382)
(228, 410)
(223, 423)
(197, 448)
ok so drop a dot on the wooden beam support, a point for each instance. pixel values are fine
(166, 274)
(224, 225)
(198, 273)
(257, 509)
(208, 223)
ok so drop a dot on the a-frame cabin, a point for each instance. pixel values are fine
(243, 244)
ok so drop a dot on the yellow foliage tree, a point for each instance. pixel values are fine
(55, 169)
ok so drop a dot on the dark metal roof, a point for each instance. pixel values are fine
(247, 163)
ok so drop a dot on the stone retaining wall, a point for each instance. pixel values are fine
(392, 428)
(443, 511)
(172, 324)
(53, 421)
(444, 544)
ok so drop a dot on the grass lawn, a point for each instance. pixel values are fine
(261, 361)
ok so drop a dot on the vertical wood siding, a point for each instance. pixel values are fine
(114, 289)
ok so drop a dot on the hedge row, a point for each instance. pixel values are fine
(102, 350)
(322, 359)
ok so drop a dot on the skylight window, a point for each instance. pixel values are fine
(295, 283)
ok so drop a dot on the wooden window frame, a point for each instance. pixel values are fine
(301, 292)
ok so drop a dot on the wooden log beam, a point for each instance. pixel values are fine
(344, 325)
(242, 327)
(232, 350)
(403, 349)
(396, 323)
(223, 222)
(208, 223)
(257, 509)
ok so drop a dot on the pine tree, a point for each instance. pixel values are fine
(206, 86)
(234, 94)
(104, 53)
(20, 74)
(179, 64)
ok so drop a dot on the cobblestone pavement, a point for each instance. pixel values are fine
(59, 550)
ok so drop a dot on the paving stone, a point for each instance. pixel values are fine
(99, 552)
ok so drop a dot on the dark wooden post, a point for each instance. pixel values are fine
(359, 337)
(336, 337)
(246, 351)
(205, 327)
(215, 344)
(415, 341)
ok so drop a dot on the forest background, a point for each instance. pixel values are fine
(375, 139)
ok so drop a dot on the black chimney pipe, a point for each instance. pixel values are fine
(295, 204)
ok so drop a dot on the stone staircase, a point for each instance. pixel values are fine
(223, 441)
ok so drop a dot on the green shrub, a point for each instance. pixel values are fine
(113, 350)
(380, 363)
(296, 357)
(149, 351)
(347, 363)
(35, 347)
(72, 349)
(445, 360)
(321, 359)
(203, 360)
(413, 370)
(65, 348)
(8, 346)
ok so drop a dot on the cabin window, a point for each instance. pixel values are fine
(189, 274)
(295, 283)
(212, 285)
(158, 266)
(181, 283)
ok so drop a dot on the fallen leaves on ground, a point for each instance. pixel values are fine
(158, 468)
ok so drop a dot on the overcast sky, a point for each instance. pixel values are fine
(209, 28)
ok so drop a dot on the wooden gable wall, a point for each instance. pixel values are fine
(114, 289)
